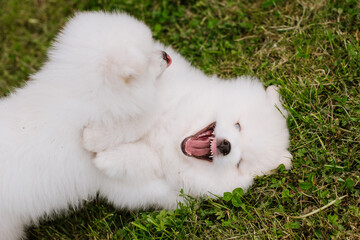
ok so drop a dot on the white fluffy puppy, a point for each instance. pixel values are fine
(102, 69)
(153, 132)
(210, 136)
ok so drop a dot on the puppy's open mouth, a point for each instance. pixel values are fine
(201, 145)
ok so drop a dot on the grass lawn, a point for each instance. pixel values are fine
(311, 49)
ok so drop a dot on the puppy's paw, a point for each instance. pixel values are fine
(93, 140)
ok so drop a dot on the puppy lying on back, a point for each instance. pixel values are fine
(102, 69)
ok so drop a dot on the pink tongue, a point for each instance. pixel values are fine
(198, 146)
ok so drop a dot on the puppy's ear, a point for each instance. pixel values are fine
(274, 96)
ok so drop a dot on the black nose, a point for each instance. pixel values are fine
(224, 147)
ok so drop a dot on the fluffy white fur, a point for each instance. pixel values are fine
(104, 90)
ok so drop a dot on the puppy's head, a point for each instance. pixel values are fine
(246, 137)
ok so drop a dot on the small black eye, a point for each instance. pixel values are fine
(237, 126)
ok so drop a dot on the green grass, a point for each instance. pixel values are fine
(309, 48)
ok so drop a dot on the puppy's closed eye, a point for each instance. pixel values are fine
(238, 164)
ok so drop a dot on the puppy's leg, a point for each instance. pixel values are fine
(99, 137)
(142, 194)
(129, 161)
